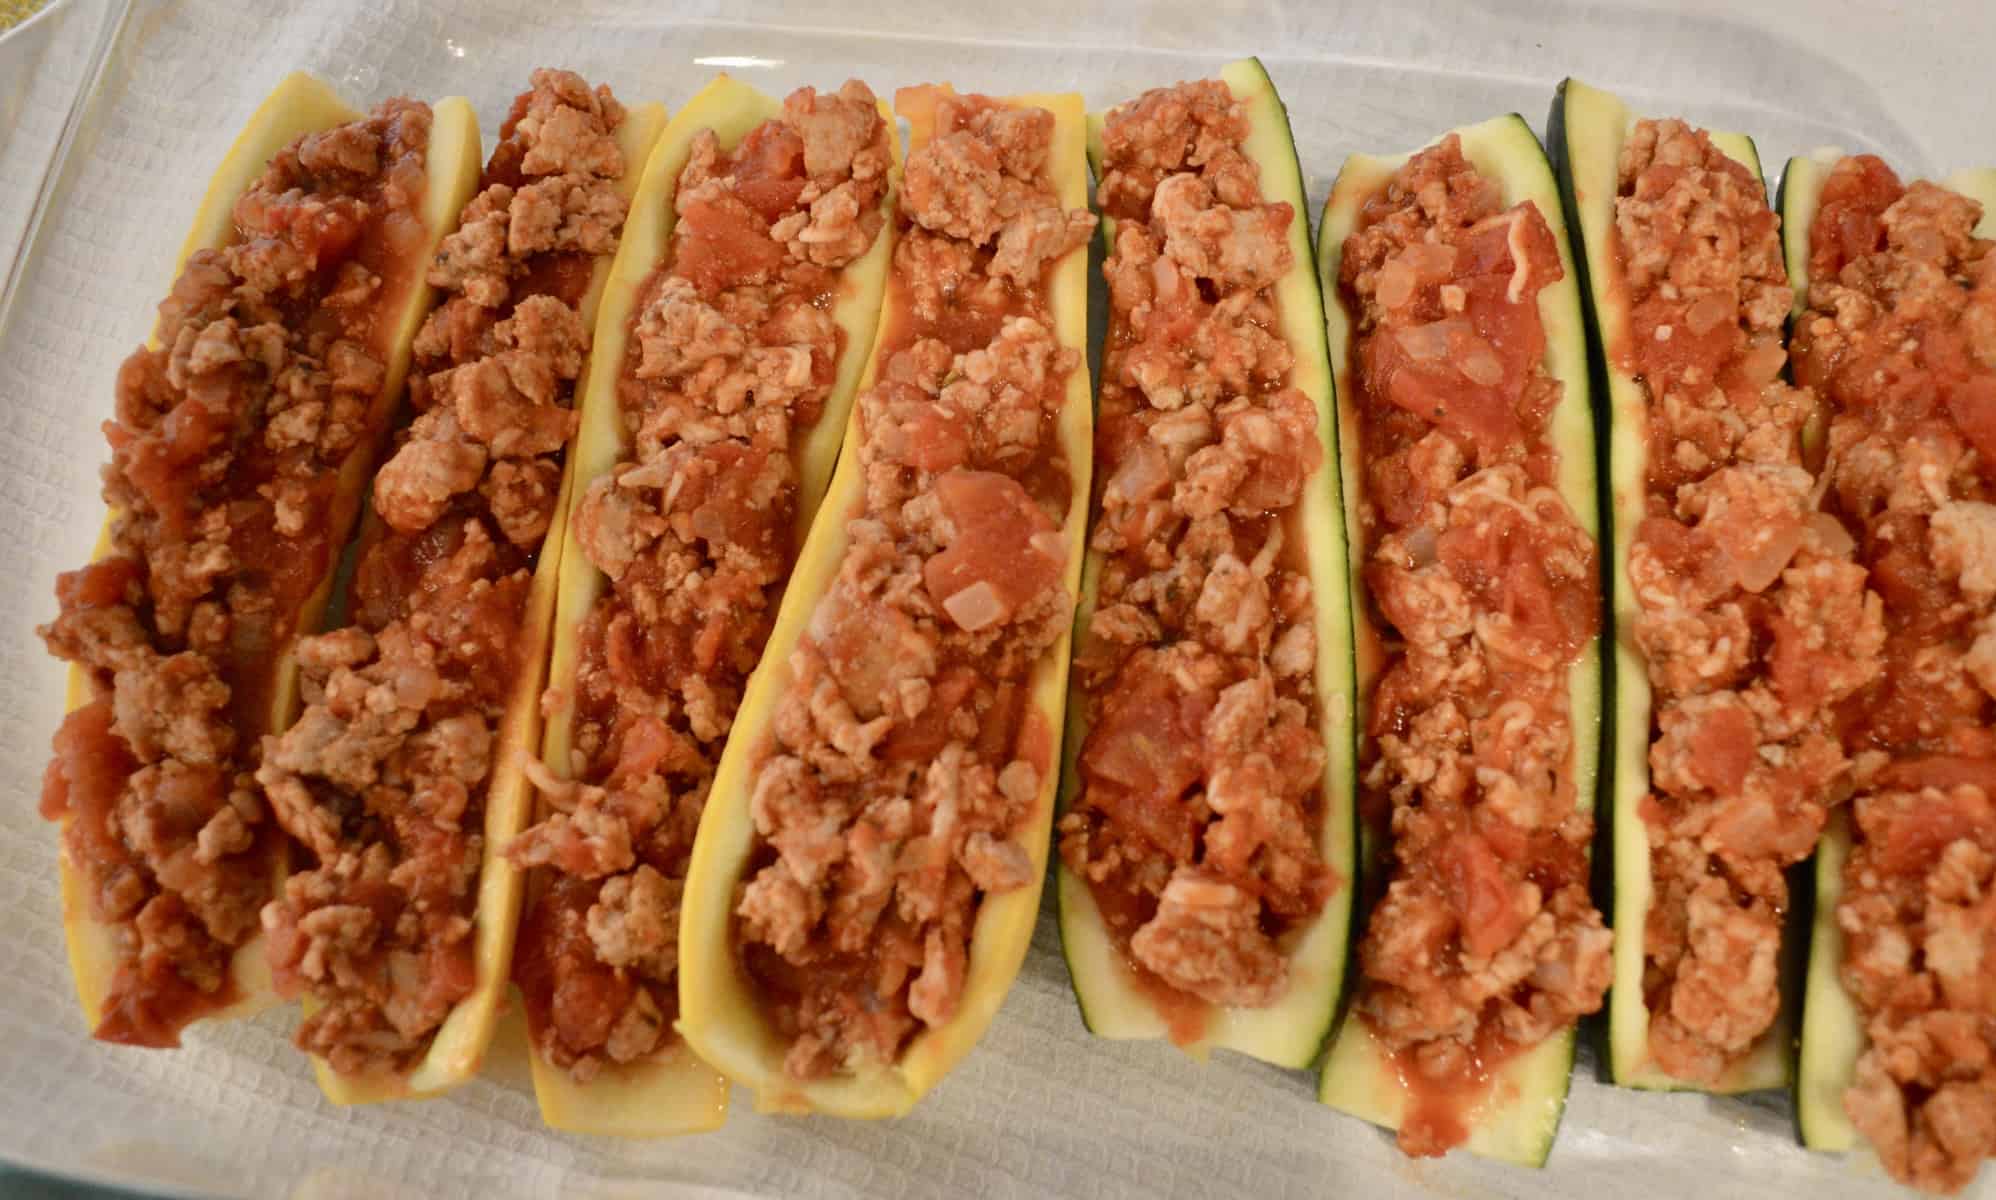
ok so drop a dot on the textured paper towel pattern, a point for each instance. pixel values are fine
(1040, 1108)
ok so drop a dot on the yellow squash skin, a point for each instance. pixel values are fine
(720, 1014)
(1291, 1031)
(298, 105)
(676, 1093)
(458, 1048)
(1517, 1118)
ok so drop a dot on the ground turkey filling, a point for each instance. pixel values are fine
(1900, 344)
(1484, 590)
(225, 452)
(383, 778)
(733, 349)
(1201, 800)
(906, 755)
(1755, 622)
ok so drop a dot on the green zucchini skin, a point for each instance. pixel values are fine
(1606, 817)
(1520, 1120)
(1293, 1031)
(1585, 135)
(1832, 1035)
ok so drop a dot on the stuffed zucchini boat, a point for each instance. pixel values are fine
(1467, 451)
(1740, 620)
(736, 321)
(1209, 776)
(1895, 320)
(241, 444)
(869, 864)
(404, 777)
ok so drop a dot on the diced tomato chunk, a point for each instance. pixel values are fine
(105, 582)
(1908, 838)
(1144, 751)
(1002, 540)
(1853, 201)
(769, 169)
(1484, 897)
(1723, 747)
(723, 243)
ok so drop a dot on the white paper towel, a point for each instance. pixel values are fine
(1040, 1108)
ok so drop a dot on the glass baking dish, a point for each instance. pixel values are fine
(134, 105)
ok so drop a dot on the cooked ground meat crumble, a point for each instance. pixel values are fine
(1755, 622)
(906, 753)
(225, 453)
(1900, 342)
(383, 778)
(1201, 803)
(733, 350)
(1484, 589)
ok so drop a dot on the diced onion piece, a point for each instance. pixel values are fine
(1423, 343)
(1144, 472)
(1521, 268)
(1396, 283)
(1430, 260)
(1421, 542)
(1831, 534)
(1708, 312)
(1761, 365)
(975, 607)
(1479, 364)
(1757, 572)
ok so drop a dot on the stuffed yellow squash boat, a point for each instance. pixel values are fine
(404, 778)
(869, 864)
(733, 331)
(1207, 829)
(242, 441)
